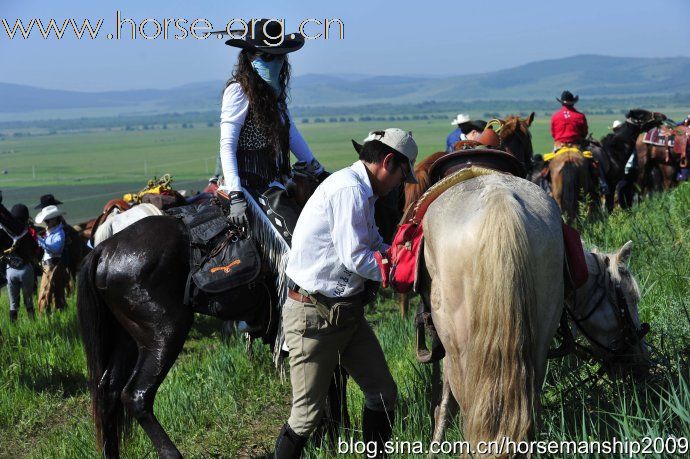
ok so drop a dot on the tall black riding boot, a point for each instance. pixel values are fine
(13, 316)
(289, 445)
(377, 426)
(31, 314)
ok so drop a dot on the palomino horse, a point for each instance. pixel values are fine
(605, 312)
(492, 271)
(572, 182)
(514, 137)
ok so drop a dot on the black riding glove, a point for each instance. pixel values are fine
(235, 206)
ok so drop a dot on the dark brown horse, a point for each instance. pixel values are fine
(514, 137)
(614, 150)
(15, 238)
(134, 322)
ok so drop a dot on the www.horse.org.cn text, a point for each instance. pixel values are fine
(164, 29)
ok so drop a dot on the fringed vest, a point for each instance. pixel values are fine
(257, 160)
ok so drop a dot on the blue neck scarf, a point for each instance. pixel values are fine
(270, 71)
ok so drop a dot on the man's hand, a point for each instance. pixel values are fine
(235, 206)
(384, 261)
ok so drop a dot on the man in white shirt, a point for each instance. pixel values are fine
(336, 249)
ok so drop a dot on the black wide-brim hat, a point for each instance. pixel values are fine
(267, 38)
(47, 200)
(567, 98)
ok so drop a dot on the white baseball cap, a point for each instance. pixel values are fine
(461, 118)
(400, 141)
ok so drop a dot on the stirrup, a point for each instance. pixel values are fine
(424, 324)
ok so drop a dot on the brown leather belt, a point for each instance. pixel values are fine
(297, 296)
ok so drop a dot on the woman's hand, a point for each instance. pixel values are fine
(235, 206)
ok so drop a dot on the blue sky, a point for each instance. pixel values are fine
(381, 38)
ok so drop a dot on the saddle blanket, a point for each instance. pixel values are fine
(549, 156)
(117, 222)
(659, 138)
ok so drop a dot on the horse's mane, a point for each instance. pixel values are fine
(512, 124)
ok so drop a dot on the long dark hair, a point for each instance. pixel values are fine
(268, 108)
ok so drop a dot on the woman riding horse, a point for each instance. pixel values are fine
(132, 299)
(257, 132)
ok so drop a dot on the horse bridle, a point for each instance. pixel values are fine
(14, 238)
(629, 335)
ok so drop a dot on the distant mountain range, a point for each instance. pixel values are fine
(587, 75)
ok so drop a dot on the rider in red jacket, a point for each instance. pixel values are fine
(568, 126)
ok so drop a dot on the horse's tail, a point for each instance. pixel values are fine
(99, 330)
(501, 398)
(570, 189)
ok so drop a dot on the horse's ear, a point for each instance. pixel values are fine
(530, 119)
(624, 253)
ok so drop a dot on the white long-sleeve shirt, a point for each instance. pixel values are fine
(232, 116)
(335, 238)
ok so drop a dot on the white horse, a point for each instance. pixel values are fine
(494, 278)
(605, 312)
(493, 255)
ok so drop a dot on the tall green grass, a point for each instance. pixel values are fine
(217, 403)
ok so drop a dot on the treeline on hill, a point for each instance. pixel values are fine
(430, 110)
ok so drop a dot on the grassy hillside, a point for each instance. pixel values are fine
(590, 75)
(216, 403)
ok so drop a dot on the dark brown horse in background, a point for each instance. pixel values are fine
(14, 238)
(614, 150)
(514, 137)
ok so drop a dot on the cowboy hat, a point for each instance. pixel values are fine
(400, 141)
(567, 98)
(47, 200)
(266, 36)
(48, 213)
(460, 119)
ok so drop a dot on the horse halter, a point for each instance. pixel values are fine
(629, 335)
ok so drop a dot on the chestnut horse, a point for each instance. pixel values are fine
(659, 165)
(572, 182)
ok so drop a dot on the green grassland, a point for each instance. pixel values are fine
(217, 403)
(85, 170)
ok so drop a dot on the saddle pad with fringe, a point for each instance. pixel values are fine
(659, 138)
